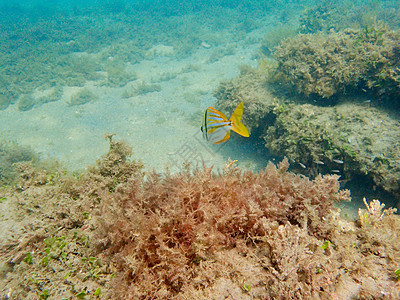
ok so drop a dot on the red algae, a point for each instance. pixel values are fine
(119, 232)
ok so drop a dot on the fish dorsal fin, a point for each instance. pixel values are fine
(237, 125)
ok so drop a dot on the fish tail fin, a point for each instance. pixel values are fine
(237, 125)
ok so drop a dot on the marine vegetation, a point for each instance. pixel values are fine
(81, 97)
(328, 15)
(10, 154)
(337, 63)
(140, 88)
(117, 231)
(45, 47)
(339, 15)
(7, 96)
(26, 102)
(117, 76)
(352, 138)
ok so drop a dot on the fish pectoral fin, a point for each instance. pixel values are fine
(226, 137)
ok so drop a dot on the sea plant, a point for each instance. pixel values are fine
(196, 234)
(83, 96)
(335, 63)
(397, 274)
(26, 102)
(12, 153)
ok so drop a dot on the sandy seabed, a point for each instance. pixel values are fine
(158, 124)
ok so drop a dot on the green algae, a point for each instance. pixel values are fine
(10, 154)
(326, 65)
(117, 76)
(7, 93)
(26, 102)
(83, 96)
(5, 101)
(352, 138)
(352, 145)
(141, 89)
(54, 94)
(69, 50)
(337, 15)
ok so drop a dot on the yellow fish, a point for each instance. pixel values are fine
(217, 128)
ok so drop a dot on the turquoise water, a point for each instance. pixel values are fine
(151, 67)
(142, 70)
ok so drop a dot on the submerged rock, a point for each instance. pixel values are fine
(327, 65)
(354, 137)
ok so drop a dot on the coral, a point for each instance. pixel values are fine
(378, 229)
(336, 63)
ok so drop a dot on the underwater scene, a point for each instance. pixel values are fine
(214, 149)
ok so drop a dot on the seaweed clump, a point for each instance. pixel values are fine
(170, 234)
(326, 65)
(10, 154)
(119, 232)
(83, 96)
(338, 15)
(348, 139)
(45, 247)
